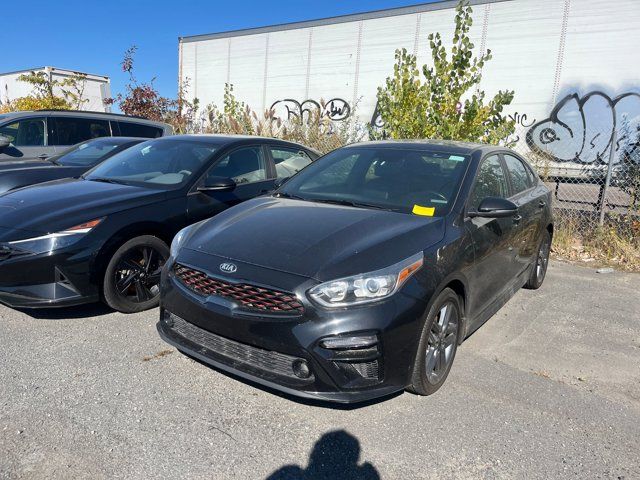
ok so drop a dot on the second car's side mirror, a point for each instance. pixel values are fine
(4, 142)
(495, 207)
(217, 184)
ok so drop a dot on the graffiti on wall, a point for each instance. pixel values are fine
(582, 129)
(335, 109)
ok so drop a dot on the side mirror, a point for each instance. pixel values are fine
(217, 184)
(495, 207)
(280, 181)
(4, 142)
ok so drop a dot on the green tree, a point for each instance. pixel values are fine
(446, 102)
(49, 93)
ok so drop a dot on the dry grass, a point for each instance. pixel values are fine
(604, 246)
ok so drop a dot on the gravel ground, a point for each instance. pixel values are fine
(548, 388)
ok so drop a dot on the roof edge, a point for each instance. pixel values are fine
(352, 17)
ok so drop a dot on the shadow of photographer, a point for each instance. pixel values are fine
(334, 456)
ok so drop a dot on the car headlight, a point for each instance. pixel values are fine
(57, 240)
(178, 241)
(366, 287)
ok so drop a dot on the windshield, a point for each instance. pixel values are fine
(163, 163)
(399, 179)
(89, 153)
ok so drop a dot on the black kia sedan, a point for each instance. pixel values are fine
(105, 235)
(362, 274)
(72, 163)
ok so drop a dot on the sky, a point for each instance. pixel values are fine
(92, 36)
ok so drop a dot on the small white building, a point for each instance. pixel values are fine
(96, 88)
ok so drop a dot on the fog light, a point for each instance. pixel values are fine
(168, 318)
(301, 368)
(349, 342)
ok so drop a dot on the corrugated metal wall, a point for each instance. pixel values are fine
(543, 49)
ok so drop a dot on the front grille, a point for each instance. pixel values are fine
(250, 297)
(233, 353)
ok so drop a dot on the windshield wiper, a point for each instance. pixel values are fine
(350, 203)
(54, 161)
(105, 180)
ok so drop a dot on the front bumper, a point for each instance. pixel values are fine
(265, 348)
(56, 279)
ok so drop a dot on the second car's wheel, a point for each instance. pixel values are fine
(539, 268)
(438, 344)
(132, 278)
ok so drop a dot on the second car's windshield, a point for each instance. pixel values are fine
(162, 163)
(88, 154)
(399, 179)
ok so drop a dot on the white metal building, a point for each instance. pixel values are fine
(96, 89)
(572, 63)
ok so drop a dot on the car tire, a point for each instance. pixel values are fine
(539, 267)
(132, 277)
(437, 347)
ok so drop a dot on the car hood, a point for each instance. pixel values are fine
(53, 206)
(19, 177)
(315, 240)
(20, 164)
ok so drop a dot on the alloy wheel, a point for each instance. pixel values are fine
(542, 260)
(442, 343)
(137, 276)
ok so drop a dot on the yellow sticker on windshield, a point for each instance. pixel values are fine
(425, 211)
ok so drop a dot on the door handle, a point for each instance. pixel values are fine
(517, 218)
(541, 204)
(44, 156)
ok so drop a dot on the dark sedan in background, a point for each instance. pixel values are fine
(360, 276)
(71, 163)
(105, 235)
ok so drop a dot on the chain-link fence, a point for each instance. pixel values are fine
(594, 174)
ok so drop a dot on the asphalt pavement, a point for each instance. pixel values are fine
(547, 388)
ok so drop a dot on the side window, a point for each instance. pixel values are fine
(129, 129)
(520, 177)
(289, 161)
(69, 130)
(25, 133)
(490, 182)
(244, 165)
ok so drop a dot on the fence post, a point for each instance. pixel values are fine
(607, 182)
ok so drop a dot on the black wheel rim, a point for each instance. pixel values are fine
(137, 275)
(441, 345)
(543, 260)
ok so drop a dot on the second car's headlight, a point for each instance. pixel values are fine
(366, 287)
(57, 240)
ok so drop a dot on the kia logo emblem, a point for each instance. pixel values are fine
(228, 267)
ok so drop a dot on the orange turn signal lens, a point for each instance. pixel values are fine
(406, 272)
(85, 226)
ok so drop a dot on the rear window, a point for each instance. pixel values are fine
(130, 129)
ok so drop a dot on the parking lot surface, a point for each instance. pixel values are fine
(548, 388)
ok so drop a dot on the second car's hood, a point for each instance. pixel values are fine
(52, 206)
(320, 241)
(7, 165)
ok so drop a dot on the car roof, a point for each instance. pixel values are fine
(81, 113)
(447, 146)
(227, 139)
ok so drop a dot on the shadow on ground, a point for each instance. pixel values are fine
(80, 311)
(335, 455)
